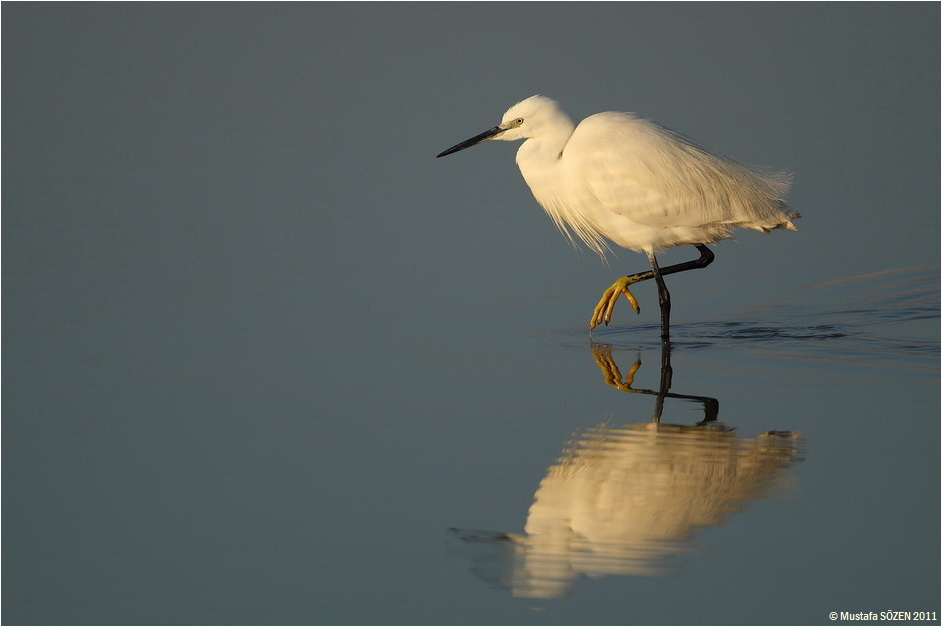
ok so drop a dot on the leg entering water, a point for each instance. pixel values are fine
(663, 299)
(603, 311)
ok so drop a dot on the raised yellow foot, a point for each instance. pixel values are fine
(603, 311)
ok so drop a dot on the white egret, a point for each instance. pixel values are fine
(627, 180)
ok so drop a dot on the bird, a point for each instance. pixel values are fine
(622, 179)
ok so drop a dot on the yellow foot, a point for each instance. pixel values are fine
(603, 311)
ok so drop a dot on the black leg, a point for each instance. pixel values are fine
(663, 299)
(706, 258)
(603, 311)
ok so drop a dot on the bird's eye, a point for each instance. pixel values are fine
(518, 121)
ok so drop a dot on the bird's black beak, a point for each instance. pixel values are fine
(477, 139)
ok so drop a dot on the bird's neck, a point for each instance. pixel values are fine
(541, 154)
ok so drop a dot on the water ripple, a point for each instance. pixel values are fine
(891, 315)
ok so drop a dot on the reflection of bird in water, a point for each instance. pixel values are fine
(622, 500)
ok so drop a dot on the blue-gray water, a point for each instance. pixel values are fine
(267, 361)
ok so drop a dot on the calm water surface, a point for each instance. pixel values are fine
(498, 478)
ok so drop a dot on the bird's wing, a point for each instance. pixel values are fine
(657, 178)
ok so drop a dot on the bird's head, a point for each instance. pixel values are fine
(528, 118)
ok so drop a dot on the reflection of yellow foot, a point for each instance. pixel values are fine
(603, 311)
(610, 371)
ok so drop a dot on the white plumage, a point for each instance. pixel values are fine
(616, 177)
